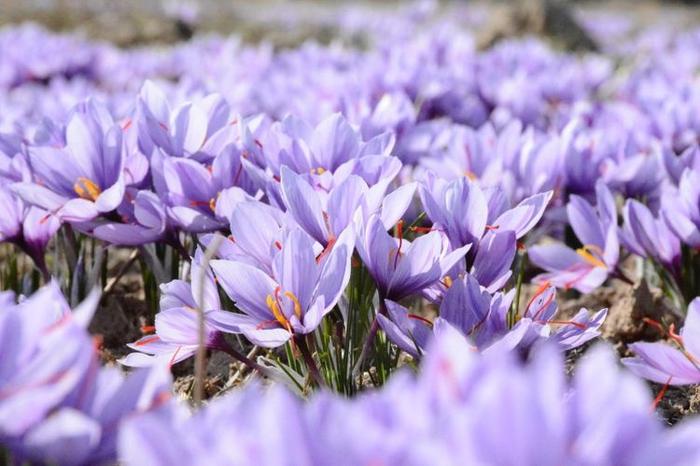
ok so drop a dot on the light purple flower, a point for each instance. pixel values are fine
(677, 364)
(681, 209)
(401, 268)
(83, 179)
(176, 335)
(589, 266)
(306, 283)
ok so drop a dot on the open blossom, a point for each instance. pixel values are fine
(57, 406)
(306, 283)
(325, 215)
(681, 209)
(462, 210)
(84, 178)
(649, 236)
(589, 266)
(677, 363)
(198, 130)
(199, 197)
(462, 408)
(176, 336)
(400, 267)
(483, 318)
(144, 220)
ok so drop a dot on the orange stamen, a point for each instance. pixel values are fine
(146, 329)
(86, 189)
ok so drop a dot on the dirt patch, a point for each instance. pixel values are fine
(677, 402)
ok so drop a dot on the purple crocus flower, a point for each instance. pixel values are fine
(39, 370)
(306, 283)
(57, 405)
(30, 228)
(676, 165)
(461, 209)
(198, 130)
(649, 236)
(325, 216)
(257, 232)
(83, 179)
(677, 364)
(401, 268)
(176, 335)
(589, 266)
(681, 210)
(483, 318)
(199, 197)
(145, 220)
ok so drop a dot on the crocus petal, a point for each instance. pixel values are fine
(523, 217)
(246, 285)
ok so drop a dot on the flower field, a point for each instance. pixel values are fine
(402, 245)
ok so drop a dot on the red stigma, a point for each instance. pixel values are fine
(674, 336)
(538, 292)
(654, 324)
(492, 227)
(399, 235)
(422, 319)
(267, 324)
(148, 340)
(278, 245)
(661, 395)
(146, 329)
(326, 250)
(172, 359)
(422, 229)
(127, 124)
(578, 325)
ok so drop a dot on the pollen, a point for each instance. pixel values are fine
(318, 171)
(471, 175)
(273, 303)
(589, 253)
(295, 300)
(86, 189)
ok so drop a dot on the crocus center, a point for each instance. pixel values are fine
(86, 189)
(274, 303)
(592, 254)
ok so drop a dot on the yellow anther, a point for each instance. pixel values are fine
(318, 171)
(86, 189)
(471, 175)
(587, 252)
(295, 300)
(447, 281)
(274, 306)
(212, 204)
